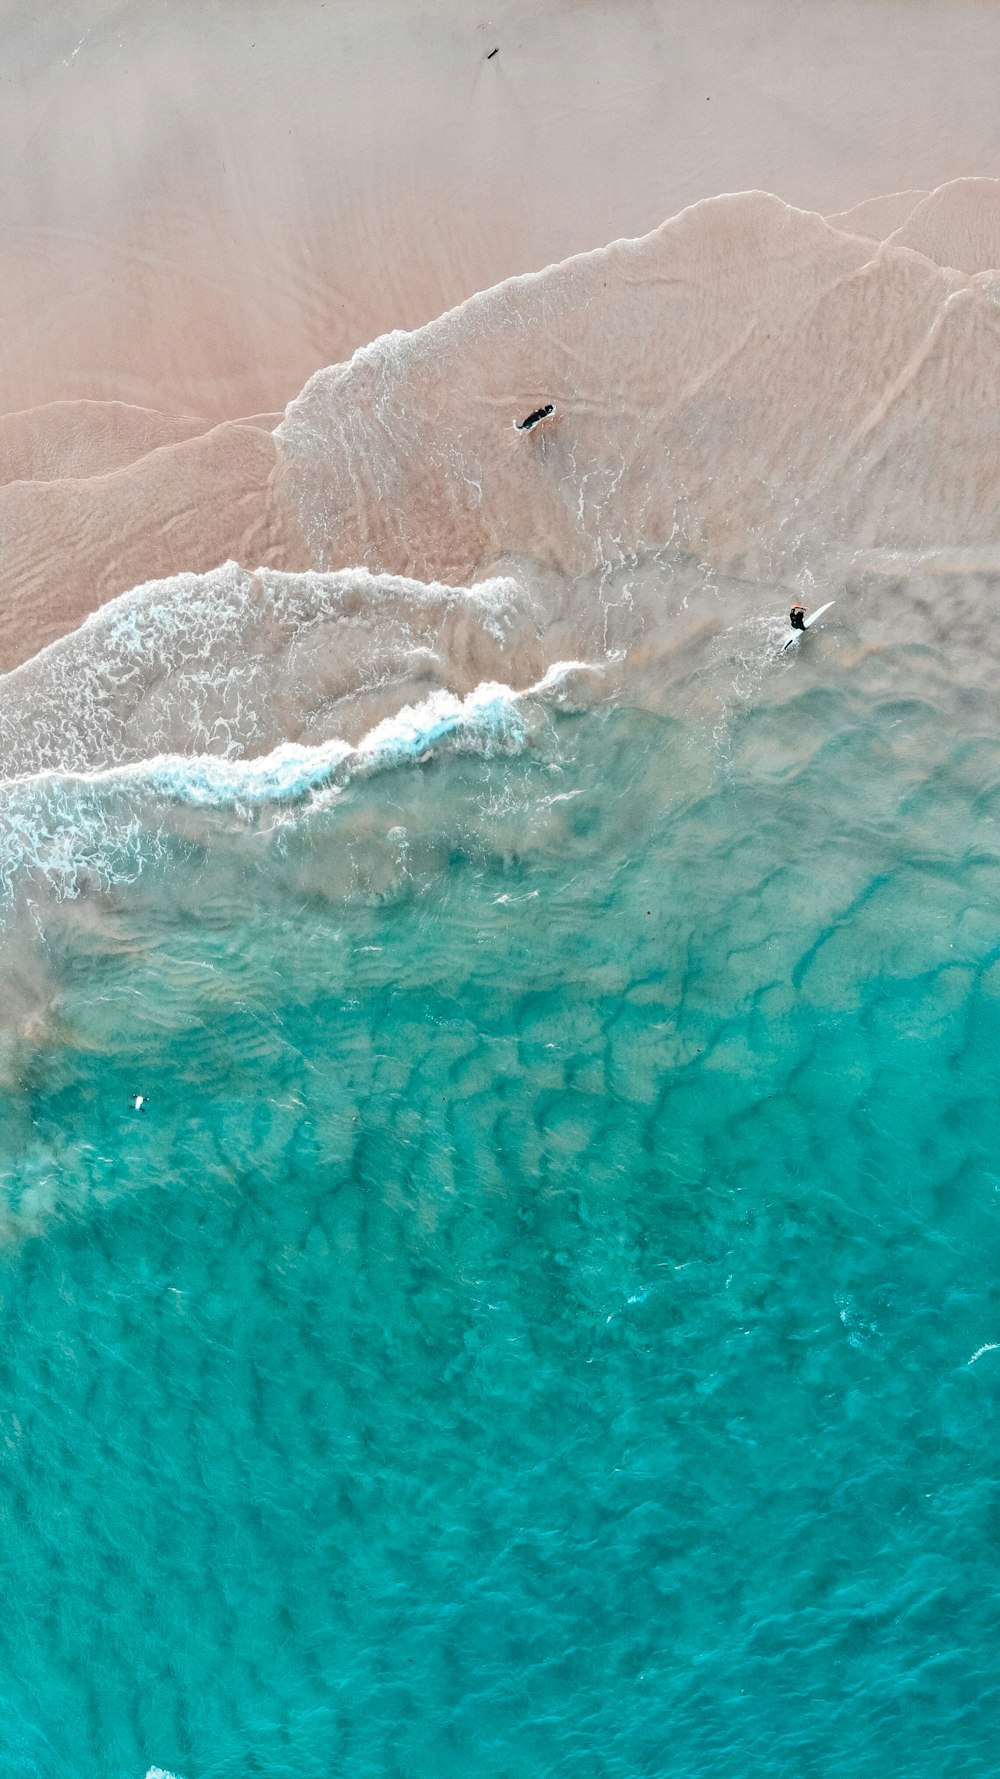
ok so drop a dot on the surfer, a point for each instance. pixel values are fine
(533, 419)
(797, 617)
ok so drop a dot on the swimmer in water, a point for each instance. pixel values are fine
(797, 617)
(533, 419)
(138, 1102)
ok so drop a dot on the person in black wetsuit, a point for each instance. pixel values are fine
(533, 419)
(797, 617)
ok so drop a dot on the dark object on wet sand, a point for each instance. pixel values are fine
(493, 52)
(533, 419)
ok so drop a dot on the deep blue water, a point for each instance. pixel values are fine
(542, 1323)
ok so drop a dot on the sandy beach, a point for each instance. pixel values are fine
(205, 204)
(202, 208)
(499, 1110)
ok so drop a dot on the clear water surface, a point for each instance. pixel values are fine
(544, 1322)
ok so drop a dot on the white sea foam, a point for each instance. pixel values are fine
(492, 716)
(640, 532)
(77, 831)
(231, 663)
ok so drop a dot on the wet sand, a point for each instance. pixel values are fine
(69, 544)
(749, 405)
(205, 205)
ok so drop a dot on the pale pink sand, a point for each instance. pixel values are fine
(748, 383)
(749, 403)
(958, 225)
(84, 438)
(203, 204)
(67, 546)
(878, 217)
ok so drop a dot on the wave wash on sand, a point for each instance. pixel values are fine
(751, 404)
(498, 1113)
(750, 392)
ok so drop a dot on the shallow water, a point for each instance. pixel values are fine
(544, 1320)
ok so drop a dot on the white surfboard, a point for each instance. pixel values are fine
(793, 635)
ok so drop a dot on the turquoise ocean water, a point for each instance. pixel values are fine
(546, 1319)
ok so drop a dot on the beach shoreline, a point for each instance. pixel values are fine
(226, 203)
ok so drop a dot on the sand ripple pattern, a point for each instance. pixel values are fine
(771, 393)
